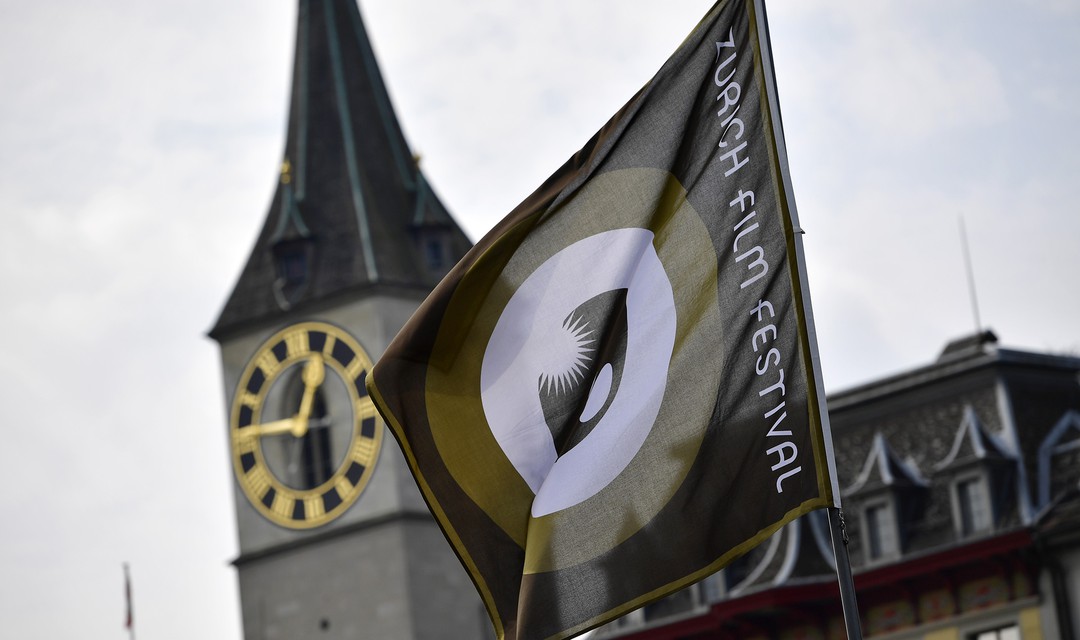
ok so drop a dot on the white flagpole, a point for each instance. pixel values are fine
(852, 622)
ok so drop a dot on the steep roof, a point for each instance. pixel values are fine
(884, 468)
(352, 208)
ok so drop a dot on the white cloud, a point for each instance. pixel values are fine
(875, 70)
(1069, 7)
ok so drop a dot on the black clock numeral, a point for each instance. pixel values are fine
(298, 510)
(268, 497)
(247, 461)
(367, 428)
(245, 417)
(361, 384)
(331, 499)
(343, 353)
(316, 340)
(280, 351)
(255, 382)
(355, 472)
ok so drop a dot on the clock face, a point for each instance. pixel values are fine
(304, 433)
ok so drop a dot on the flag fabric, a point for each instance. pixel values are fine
(129, 616)
(613, 394)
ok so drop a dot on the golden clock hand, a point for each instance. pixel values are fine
(313, 375)
(276, 427)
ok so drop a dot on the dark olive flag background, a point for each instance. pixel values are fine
(717, 362)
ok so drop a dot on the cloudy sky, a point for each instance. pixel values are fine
(141, 142)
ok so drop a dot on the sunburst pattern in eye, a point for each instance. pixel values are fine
(567, 356)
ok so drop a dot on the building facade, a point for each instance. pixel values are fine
(961, 489)
(335, 540)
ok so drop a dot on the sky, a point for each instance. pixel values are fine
(141, 144)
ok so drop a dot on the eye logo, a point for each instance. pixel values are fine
(563, 362)
(539, 345)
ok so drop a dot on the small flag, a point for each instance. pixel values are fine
(129, 618)
(612, 396)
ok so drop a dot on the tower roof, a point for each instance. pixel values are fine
(351, 208)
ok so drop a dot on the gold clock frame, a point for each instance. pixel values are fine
(323, 348)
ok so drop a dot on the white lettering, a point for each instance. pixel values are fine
(784, 460)
(757, 262)
(736, 163)
(779, 385)
(763, 361)
(786, 475)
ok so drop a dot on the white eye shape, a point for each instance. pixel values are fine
(598, 394)
(520, 352)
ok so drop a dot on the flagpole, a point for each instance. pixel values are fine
(838, 532)
(852, 623)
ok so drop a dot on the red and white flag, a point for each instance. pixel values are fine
(129, 620)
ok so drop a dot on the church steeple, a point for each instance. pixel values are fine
(333, 534)
(352, 209)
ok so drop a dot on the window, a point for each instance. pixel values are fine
(436, 257)
(293, 260)
(974, 507)
(880, 532)
(1009, 632)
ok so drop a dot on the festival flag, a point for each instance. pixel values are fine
(129, 617)
(614, 394)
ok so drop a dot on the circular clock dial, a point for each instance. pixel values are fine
(304, 433)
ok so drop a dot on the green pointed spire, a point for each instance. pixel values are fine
(351, 210)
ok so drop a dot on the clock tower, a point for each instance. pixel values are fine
(335, 539)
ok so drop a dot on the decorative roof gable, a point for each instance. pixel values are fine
(884, 469)
(974, 443)
(1063, 440)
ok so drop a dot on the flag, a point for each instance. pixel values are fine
(613, 395)
(129, 617)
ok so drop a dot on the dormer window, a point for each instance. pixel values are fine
(435, 252)
(292, 258)
(888, 493)
(981, 471)
(291, 245)
(434, 243)
(973, 505)
(879, 522)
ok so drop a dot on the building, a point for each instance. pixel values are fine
(353, 241)
(961, 488)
